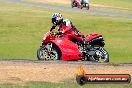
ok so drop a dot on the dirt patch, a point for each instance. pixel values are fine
(21, 72)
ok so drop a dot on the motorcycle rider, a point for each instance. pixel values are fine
(76, 2)
(84, 2)
(75, 35)
(57, 20)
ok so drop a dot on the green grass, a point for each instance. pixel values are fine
(115, 3)
(51, 3)
(112, 10)
(64, 85)
(22, 29)
(125, 6)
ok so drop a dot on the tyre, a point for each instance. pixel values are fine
(39, 54)
(87, 6)
(48, 52)
(72, 6)
(100, 55)
(81, 7)
(72, 3)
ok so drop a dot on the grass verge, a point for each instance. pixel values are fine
(65, 85)
(22, 28)
(114, 6)
(115, 3)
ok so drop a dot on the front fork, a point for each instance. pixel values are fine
(50, 47)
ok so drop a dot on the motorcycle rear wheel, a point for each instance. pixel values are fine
(101, 55)
(87, 7)
(72, 5)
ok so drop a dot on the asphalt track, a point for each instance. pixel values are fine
(68, 8)
(65, 62)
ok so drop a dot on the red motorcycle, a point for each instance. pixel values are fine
(76, 3)
(68, 45)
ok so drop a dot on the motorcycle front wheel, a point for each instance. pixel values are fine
(48, 52)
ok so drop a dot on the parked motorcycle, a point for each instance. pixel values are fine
(65, 46)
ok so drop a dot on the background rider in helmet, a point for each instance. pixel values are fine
(84, 1)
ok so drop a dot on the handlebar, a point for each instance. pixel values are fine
(56, 34)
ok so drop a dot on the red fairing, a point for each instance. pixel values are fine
(92, 36)
(69, 33)
(78, 2)
(64, 28)
(69, 49)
